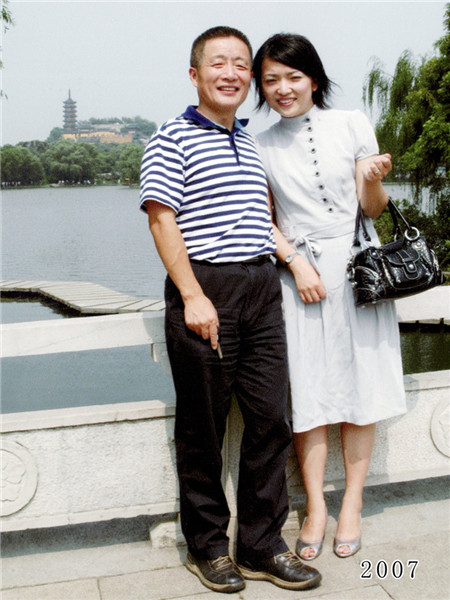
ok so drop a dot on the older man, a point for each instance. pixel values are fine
(205, 192)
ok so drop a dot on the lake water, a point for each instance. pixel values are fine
(98, 234)
(92, 234)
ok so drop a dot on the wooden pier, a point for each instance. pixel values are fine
(83, 297)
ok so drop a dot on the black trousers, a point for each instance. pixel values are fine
(247, 297)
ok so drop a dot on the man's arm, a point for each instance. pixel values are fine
(199, 313)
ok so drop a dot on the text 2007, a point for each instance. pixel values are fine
(382, 569)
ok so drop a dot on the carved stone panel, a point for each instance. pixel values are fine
(440, 427)
(19, 477)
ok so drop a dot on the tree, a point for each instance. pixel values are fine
(71, 161)
(130, 163)
(414, 109)
(21, 166)
(146, 128)
(55, 134)
(6, 20)
(37, 147)
(108, 158)
(6, 15)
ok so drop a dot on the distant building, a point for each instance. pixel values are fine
(105, 131)
(103, 137)
(70, 114)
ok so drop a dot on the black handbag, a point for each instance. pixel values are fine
(401, 268)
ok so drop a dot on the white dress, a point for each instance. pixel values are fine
(344, 362)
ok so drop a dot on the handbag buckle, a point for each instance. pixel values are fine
(415, 236)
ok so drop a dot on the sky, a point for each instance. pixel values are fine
(131, 58)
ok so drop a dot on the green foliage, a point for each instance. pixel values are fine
(435, 227)
(6, 15)
(413, 115)
(108, 159)
(146, 128)
(37, 147)
(55, 134)
(130, 163)
(36, 162)
(20, 166)
(6, 20)
(69, 161)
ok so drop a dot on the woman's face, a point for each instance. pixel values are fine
(286, 90)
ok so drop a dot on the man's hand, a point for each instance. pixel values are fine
(202, 318)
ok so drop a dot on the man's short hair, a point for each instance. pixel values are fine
(215, 32)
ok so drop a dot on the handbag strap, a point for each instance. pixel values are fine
(360, 224)
(395, 212)
(395, 215)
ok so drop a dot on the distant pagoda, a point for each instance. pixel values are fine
(70, 114)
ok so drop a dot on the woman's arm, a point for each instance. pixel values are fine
(369, 189)
(307, 280)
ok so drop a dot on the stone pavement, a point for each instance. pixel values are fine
(405, 556)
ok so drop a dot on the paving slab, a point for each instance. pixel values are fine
(72, 590)
(152, 585)
(412, 568)
(374, 592)
(40, 568)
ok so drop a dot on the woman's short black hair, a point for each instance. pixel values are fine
(297, 52)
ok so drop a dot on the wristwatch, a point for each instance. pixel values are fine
(290, 258)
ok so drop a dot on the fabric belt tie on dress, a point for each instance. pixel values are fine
(311, 241)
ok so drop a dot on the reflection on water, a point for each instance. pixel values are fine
(23, 309)
(83, 379)
(425, 349)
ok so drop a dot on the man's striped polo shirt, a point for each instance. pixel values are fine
(215, 182)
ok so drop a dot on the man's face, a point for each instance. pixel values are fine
(223, 77)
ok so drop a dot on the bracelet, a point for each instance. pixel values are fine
(290, 258)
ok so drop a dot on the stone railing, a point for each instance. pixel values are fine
(77, 465)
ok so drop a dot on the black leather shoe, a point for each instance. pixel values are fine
(219, 575)
(284, 570)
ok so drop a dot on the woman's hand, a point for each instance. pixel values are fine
(375, 168)
(309, 285)
(369, 189)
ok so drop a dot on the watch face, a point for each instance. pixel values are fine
(290, 258)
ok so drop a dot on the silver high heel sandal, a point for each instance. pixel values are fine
(353, 546)
(315, 546)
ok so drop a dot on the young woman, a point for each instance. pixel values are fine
(344, 362)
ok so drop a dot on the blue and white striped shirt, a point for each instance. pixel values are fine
(215, 182)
